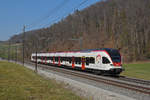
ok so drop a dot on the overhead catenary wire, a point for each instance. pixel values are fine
(81, 4)
(51, 12)
(73, 9)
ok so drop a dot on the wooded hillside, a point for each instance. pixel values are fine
(122, 24)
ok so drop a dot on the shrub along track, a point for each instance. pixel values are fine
(103, 79)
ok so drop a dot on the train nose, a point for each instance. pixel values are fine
(116, 71)
(117, 63)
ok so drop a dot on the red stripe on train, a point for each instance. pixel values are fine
(117, 63)
(83, 63)
(73, 65)
(45, 61)
(53, 60)
(59, 61)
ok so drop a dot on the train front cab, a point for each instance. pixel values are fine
(114, 62)
(111, 67)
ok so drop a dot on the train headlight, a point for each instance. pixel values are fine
(111, 65)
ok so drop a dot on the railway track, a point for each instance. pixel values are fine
(135, 80)
(110, 81)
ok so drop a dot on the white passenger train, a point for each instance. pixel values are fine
(101, 61)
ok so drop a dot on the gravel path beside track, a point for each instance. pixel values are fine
(81, 88)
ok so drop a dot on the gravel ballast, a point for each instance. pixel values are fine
(81, 88)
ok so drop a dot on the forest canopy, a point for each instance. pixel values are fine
(120, 24)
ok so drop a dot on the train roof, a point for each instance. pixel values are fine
(106, 49)
(87, 50)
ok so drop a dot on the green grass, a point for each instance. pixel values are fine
(4, 47)
(3, 50)
(19, 83)
(138, 70)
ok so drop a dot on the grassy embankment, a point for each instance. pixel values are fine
(137, 70)
(4, 49)
(19, 83)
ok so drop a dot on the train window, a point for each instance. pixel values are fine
(60, 59)
(92, 60)
(105, 60)
(48, 58)
(56, 59)
(70, 60)
(87, 60)
(51, 58)
(79, 60)
(64, 58)
(39, 57)
(33, 57)
(76, 60)
(67, 59)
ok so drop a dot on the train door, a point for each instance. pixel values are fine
(42, 60)
(49, 59)
(83, 63)
(59, 62)
(73, 65)
(45, 60)
(105, 62)
(53, 60)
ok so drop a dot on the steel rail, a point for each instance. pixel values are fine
(135, 80)
(137, 88)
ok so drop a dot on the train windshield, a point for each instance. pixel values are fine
(116, 59)
(115, 55)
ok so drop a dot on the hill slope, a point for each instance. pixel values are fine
(120, 24)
